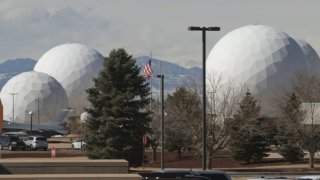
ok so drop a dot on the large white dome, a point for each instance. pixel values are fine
(33, 91)
(262, 58)
(74, 66)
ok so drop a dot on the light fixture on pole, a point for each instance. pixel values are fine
(162, 119)
(30, 113)
(204, 120)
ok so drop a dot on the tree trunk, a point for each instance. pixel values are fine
(311, 159)
(209, 160)
(154, 154)
(179, 153)
(248, 161)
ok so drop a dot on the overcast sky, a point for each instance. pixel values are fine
(29, 28)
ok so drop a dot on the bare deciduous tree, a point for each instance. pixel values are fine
(193, 86)
(154, 137)
(75, 126)
(224, 98)
(183, 111)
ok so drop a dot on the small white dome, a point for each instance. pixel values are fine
(36, 92)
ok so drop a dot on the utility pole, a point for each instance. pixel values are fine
(13, 94)
(38, 99)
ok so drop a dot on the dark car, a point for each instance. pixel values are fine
(11, 142)
(165, 174)
(185, 174)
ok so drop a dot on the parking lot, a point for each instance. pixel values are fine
(62, 145)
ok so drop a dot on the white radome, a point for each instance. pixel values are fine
(31, 88)
(261, 58)
(74, 66)
(84, 117)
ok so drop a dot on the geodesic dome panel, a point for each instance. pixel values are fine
(262, 58)
(74, 66)
(36, 92)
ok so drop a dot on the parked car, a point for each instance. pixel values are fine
(79, 144)
(19, 134)
(310, 177)
(186, 174)
(11, 142)
(36, 142)
(214, 174)
(271, 178)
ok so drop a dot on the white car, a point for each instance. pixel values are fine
(311, 177)
(271, 178)
(79, 144)
(36, 142)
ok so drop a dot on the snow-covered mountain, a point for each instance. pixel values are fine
(175, 75)
(12, 67)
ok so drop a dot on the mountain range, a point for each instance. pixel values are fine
(12, 67)
(175, 75)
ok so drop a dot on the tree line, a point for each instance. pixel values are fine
(120, 116)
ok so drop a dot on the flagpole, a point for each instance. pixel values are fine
(151, 93)
(151, 85)
(160, 83)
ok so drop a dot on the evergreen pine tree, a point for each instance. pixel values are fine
(118, 120)
(289, 144)
(248, 141)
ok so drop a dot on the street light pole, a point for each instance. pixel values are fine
(204, 120)
(162, 119)
(30, 113)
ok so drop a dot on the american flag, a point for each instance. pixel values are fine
(147, 71)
